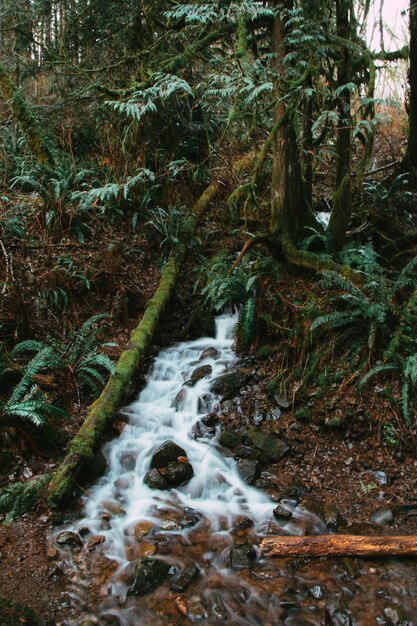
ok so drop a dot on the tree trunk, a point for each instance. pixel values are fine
(342, 203)
(83, 447)
(410, 160)
(339, 545)
(290, 212)
(25, 118)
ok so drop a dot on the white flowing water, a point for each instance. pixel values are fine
(216, 494)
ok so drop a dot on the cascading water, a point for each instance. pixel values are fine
(206, 530)
(189, 524)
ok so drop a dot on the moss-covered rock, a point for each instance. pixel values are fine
(270, 447)
(227, 385)
(229, 440)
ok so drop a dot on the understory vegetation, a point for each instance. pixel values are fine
(111, 130)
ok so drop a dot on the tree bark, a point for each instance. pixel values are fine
(290, 212)
(25, 118)
(342, 203)
(83, 447)
(339, 545)
(410, 160)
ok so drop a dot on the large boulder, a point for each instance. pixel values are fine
(200, 372)
(227, 385)
(270, 447)
(148, 574)
(169, 467)
(167, 452)
(209, 353)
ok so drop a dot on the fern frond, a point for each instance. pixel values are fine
(334, 320)
(45, 359)
(30, 345)
(405, 402)
(386, 367)
(247, 325)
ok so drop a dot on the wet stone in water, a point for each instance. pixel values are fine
(243, 523)
(228, 384)
(185, 577)
(155, 480)
(142, 529)
(209, 420)
(281, 513)
(128, 461)
(242, 557)
(149, 573)
(209, 353)
(68, 538)
(249, 471)
(200, 372)
(180, 399)
(196, 610)
(177, 473)
(170, 525)
(216, 607)
(167, 452)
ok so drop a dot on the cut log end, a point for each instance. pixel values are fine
(339, 545)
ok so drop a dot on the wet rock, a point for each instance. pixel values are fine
(51, 552)
(242, 557)
(144, 548)
(209, 420)
(180, 399)
(200, 372)
(196, 610)
(243, 523)
(383, 515)
(209, 353)
(229, 440)
(170, 525)
(227, 385)
(185, 577)
(123, 482)
(331, 516)
(191, 518)
(282, 514)
(316, 592)
(248, 470)
(112, 507)
(217, 608)
(204, 402)
(141, 529)
(68, 538)
(155, 480)
(177, 473)
(128, 461)
(270, 446)
(167, 452)
(148, 574)
(94, 541)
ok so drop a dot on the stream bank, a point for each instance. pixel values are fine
(342, 477)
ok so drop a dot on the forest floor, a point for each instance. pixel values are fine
(349, 457)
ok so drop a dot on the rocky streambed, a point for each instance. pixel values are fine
(171, 532)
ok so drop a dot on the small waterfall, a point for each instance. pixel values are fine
(214, 497)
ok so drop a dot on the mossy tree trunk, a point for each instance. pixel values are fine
(290, 211)
(21, 112)
(342, 202)
(82, 449)
(410, 160)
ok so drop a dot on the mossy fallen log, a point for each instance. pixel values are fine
(82, 449)
(340, 545)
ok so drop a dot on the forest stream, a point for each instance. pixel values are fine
(168, 555)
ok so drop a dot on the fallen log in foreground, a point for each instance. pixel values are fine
(82, 449)
(340, 545)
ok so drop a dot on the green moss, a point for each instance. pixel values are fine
(229, 440)
(304, 414)
(275, 385)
